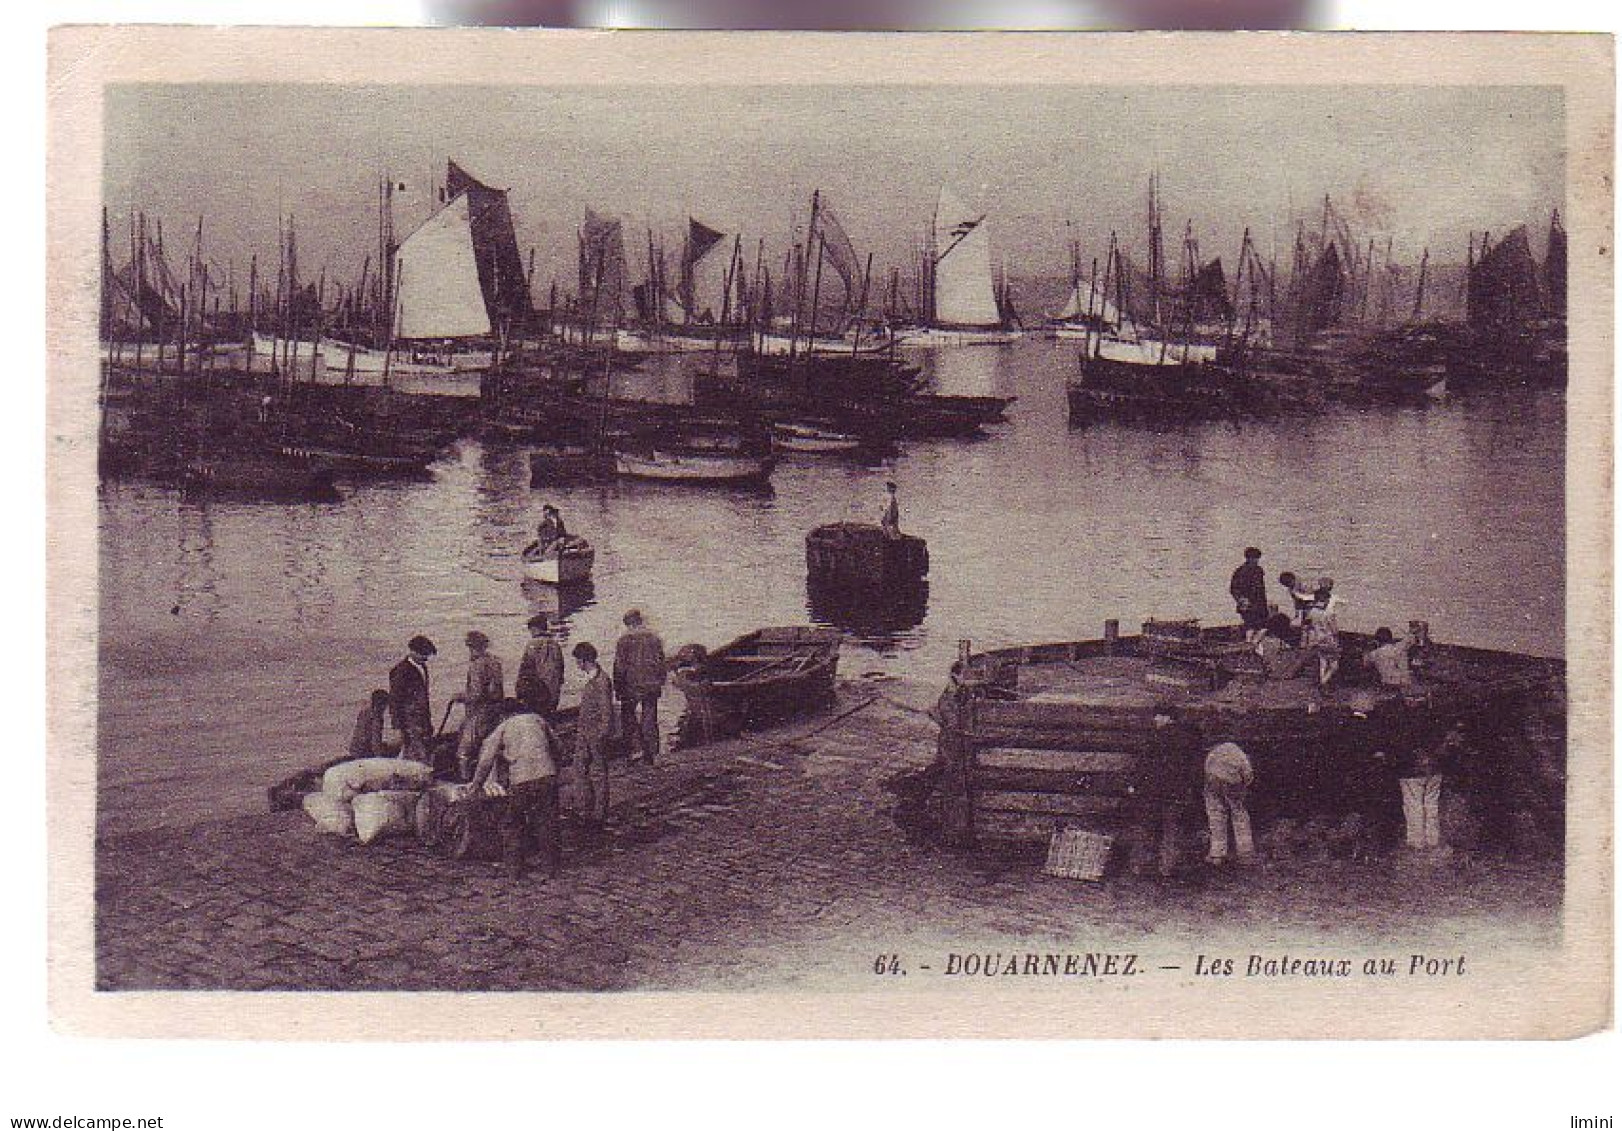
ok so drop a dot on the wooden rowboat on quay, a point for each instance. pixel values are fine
(767, 675)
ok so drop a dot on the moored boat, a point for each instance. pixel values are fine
(767, 675)
(696, 468)
(567, 562)
(567, 463)
(268, 473)
(794, 436)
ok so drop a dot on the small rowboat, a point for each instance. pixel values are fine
(698, 468)
(567, 562)
(770, 674)
(813, 438)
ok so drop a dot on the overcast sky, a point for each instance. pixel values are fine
(1422, 165)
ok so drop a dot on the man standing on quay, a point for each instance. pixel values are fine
(639, 679)
(1248, 587)
(540, 672)
(408, 700)
(480, 701)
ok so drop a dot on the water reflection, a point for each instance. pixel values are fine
(882, 618)
(558, 602)
(970, 371)
(197, 579)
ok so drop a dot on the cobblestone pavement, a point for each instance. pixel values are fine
(766, 862)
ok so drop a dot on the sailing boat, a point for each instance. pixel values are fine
(710, 300)
(1515, 311)
(456, 292)
(961, 291)
(1087, 312)
(1137, 370)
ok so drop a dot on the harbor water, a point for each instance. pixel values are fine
(240, 637)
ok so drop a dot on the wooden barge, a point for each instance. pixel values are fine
(1100, 734)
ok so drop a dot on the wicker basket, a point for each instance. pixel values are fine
(1078, 854)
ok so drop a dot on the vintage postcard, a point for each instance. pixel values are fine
(818, 535)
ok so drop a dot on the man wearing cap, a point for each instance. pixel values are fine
(1248, 587)
(480, 699)
(550, 532)
(540, 672)
(408, 700)
(639, 679)
(594, 729)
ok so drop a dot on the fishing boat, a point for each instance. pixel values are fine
(796, 436)
(666, 465)
(566, 562)
(256, 472)
(961, 294)
(770, 674)
(555, 464)
(1037, 738)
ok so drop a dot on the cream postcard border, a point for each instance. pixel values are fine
(1567, 994)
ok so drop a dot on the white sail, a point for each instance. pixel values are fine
(437, 279)
(964, 294)
(1088, 301)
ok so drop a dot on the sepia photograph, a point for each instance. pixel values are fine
(1109, 538)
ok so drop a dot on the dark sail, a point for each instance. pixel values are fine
(603, 270)
(1502, 292)
(702, 300)
(495, 245)
(1320, 293)
(1554, 270)
(1207, 297)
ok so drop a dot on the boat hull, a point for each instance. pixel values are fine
(800, 438)
(695, 468)
(767, 676)
(1087, 734)
(570, 568)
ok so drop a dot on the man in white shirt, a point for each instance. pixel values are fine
(517, 760)
(1228, 775)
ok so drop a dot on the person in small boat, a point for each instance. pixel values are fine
(366, 740)
(408, 700)
(1248, 588)
(1389, 659)
(519, 755)
(891, 522)
(639, 679)
(550, 532)
(540, 672)
(1228, 776)
(1321, 633)
(481, 696)
(1281, 659)
(594, 731)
